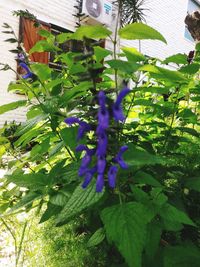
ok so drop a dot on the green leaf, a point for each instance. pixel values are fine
(124, 66)
(29, 124)
(91, 32)
(171, 213)
(178, 59)
(136, 157)
(186, 255)
(43, 46)
(154, 231)
(17, 87)
(11, 106)
(63, 37)
(69, 137)
(190, 69)
(42, 71)
(59, 199)
(140, 31)
(132, 54)
(188, 130)
(145, 178)
(25, 201)
(193, 183)
(45, 33)
(96, 238)
(101, 53)
(80, 200)
(51, 210)
(31, 180)
(165, 74)
(126, 226)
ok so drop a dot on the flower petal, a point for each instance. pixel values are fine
(101, 164)
(112, 173)
(121, 95)
(99, 183)
(102, 143)
(118, 113)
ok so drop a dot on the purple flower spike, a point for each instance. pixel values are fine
(118, 159)
(103, 115)
(99, 183)
(86, 159)
(112, 173)
(117, 107)
(101, 164)
(29, 74)
(83, 126)
(88, 176)
(102, 143)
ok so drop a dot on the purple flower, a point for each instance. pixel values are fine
(103, 115)
(102, 143)
(21, 57)
(118, 159)
(29, 74)
(112, 173)
(86, 158)
(83, 126)
(88, 176)
(101, 164)
(99, 183)
(117, 106)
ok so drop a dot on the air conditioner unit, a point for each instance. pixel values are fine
(98, 10)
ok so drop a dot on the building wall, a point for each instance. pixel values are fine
(165, 16)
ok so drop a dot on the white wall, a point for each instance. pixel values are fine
(168, 18)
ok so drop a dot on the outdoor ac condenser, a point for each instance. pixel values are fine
(98, 10)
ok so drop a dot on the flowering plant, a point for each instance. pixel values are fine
(122, 157)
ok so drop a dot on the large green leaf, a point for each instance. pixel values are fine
(140, 31)
(43, 46)
(126, 226)
(32, 180)
(42, 71)
(136, 157)
(50, 211)
(91, 31)
(165, 74)
(80, 200)
(11, 106)
(171, 213)
(133, 54)
(124, 66)
(178, 59)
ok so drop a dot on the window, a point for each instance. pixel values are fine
(192, 6)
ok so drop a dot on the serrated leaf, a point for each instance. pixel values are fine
(140, 31)
(126, 226)
(11, 106)
(101, 53)
(96, 238)
(171, 213)
(80, 200)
